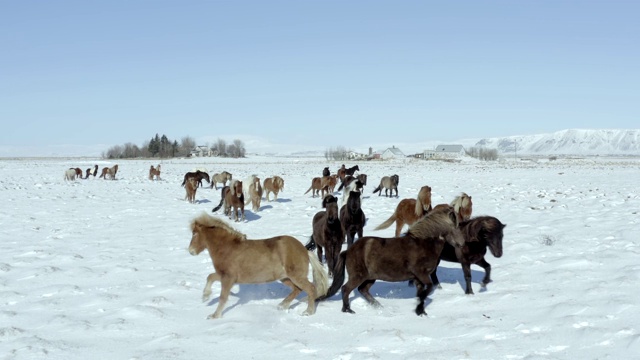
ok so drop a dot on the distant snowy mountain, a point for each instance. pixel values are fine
(569, 142)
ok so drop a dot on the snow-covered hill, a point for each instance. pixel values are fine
(569, 142)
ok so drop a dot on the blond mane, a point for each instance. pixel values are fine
(207, 220)
(423, 201)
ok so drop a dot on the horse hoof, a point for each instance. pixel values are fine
(348, 310)
(213, 316)
(439, 286)
(205, 298)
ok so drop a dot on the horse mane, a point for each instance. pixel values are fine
(472, 227)
(279, 182)
(423, 199)
(232, 186)
(460, 201)
(209, 221)
(434, 224)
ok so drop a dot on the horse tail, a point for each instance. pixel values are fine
(341, 186)
(219, 206)
(305, 193)
(320, 279)
(387, 223)
(338, 277)
(184, 181)
(311, 245)
(377, 189)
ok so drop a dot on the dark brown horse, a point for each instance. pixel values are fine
(327, 232)
(238, 260)
(352, 217)
(413, 256)
(233, 200)
(479, 234)
(95, 170)
(199, 176)
(344, 171)
(389, 183)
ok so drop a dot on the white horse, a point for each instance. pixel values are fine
(70, 175)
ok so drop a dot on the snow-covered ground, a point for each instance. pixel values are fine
(98, 269)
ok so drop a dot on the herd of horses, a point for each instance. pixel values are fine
(72, 173)
(442, 232)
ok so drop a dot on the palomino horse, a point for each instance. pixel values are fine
(352, 217)
(109, 171)
(252, 192)
(413, 256)
(479, 234)
(327, 232)
(462, 205)
(154, 173)
(409, 211)
(389, 183)
(191, 186)
(233, 200)
(198, 175)
(222, 177)
(273, 185)
(237, 260)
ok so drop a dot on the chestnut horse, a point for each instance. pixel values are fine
(238, 260)
(154, 172)
(389, 183)
(352, 217)
(463, 206)
(109, 171)
(191, 186)
(222, 177)
(233, 200)
(479, 234)
(273, 185)
(413, 256)
(409, 211)
(316, 187)
(327, 232)
(78, 172)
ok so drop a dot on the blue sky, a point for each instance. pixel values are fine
(327, 73)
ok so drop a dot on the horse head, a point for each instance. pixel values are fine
(354, 203)
(330, 203)
(493, 233)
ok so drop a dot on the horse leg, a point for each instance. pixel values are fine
(422, 293)
(350, 235)
(399, 225)
(227, 283)
(364, 290)
(347, 288)
(206, 293)
(284, 305)
(434, 277)
(319, 248)
(301, 282)
(487, 271)
(466, 269)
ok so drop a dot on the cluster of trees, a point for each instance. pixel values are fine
(337, 153)
(482, 153)
(163, 147)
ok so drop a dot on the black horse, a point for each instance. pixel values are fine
(352, 217)
(199, 175)
(479, 234)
